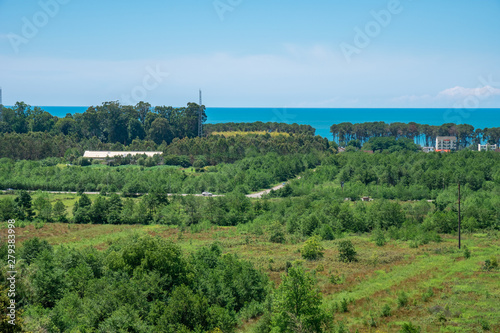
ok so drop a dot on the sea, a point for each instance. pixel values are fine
(321, 118)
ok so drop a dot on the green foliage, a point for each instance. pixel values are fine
(428, 294)
(347, 253)
(386, 311)
(59, 211)
(32, 248)
(378, 236)
(47, 280)
(485, 325)
(297, 303)
(409, 328)
(402, 299)
(391, 144)
(335, 279)
(490, 264)
(326, 232)
(277, 234)
(312, 249)
(344, 305)
(23, 203)
(141, 284)
(467, 252)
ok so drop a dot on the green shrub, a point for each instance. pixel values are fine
(277, 235)
(409, 328)
(402, 299)
(312, 249)
(335, 279)
(347, 253)
(326, 232)
(428, 294)
(485, 325)
(378, 236)
(344, 305)
(466, 252)
(386, 311)
(490, 264)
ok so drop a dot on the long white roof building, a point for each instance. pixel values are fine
(111, 154)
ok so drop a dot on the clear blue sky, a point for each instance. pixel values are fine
(252, 53)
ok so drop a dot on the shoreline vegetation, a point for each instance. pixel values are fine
(347, 242)
(34, 134)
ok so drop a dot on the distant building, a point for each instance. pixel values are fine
(102, 155)
(486, 147)
(446, 143)
(428, 149)
(341, 149)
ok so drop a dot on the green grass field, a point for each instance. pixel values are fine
(445, 292)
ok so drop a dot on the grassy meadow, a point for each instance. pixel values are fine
(242, 133)
(434, 286)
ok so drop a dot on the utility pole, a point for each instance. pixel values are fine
(459, 216)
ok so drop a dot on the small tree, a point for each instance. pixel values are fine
(32, 248)
(296, 304)
(347, 253)
(277, 235)
(44, 207)
(378, 237)
(23, 202)
(326, 232)
(312, 249)
(59, 211)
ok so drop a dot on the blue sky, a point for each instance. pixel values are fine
(252, 53)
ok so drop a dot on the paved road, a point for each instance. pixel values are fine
(252, 195)
(261, 193)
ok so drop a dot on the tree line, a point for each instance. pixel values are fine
(314, 204)
(421, 133)
(247, 174)
(110, 122)
(212, 149)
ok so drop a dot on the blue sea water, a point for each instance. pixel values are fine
(322, 119)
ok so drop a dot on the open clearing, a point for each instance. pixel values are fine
(445, 291)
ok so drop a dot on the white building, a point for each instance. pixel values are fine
(446, 143)
(103, 154)
(486, 147)
(428, 149)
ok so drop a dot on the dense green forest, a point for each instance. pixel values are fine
(399, 176)
(139, 284)
(144, 283)
(109, 122)
(248, 174)
(422, 133)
